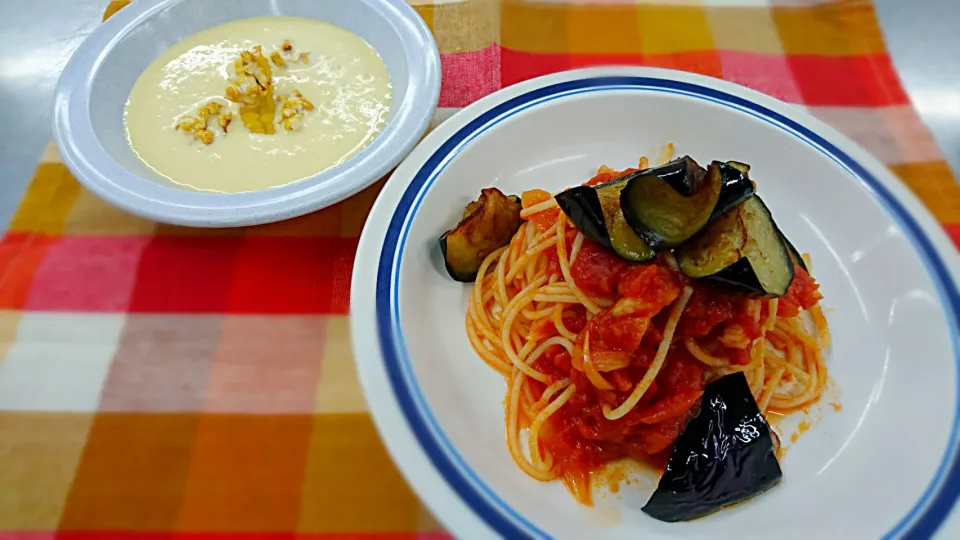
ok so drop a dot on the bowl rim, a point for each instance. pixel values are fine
(82, 153)
(415, 441)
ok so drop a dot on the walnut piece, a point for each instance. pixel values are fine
(196, 125)
(286, 55)
(292, 109)
(252, 89)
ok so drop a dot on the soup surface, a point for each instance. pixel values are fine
(318, 95)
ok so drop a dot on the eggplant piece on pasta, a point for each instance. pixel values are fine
(487, 225)
(794, 253)
(725, 455)
(582, 207)
(736, 186)
(595, 212)
(669, 204)
(742, 249)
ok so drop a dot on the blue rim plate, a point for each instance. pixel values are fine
(430, 461)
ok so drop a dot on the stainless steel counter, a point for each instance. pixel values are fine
(37, 38)
(922, 38)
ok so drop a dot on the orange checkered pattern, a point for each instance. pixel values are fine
(158, 382)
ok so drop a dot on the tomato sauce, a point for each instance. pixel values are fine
(578, 435)
(606, 174)
(597, 270)
(581, 439)
(541, 220)
(803, 293)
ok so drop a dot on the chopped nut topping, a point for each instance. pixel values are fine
(189, 123)
(292, 109)
(287, 55)
(252, 88)
(224, 119)
(204, 135)
(197, 125)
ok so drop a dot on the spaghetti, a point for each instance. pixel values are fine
(606, 359)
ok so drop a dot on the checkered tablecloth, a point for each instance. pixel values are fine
(158, 382)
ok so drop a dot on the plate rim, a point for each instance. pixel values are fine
(370, 325)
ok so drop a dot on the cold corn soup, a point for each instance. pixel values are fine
(257, 103)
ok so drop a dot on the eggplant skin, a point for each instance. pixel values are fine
(683, 174)
(740, 166)
(740, 277)
(743, 249)
(488, 224)
(795, 255)
(624, 241)
(665, 216)
(737, 186)
(582, 205)
(725, 455)
(595, 212)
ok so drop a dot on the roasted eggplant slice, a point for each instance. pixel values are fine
(668, 204)
(684, 175)
(742, 249)
(581, 204)
(623, 239)
(725, 455)
(487, 224)
(737, 186)
(742, 167)
(795, 255)
(595, 211)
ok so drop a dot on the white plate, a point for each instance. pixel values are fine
(884, 466)
(94, 87)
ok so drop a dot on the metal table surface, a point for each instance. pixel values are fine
(34, 47)
(37, 38)
(922, 38)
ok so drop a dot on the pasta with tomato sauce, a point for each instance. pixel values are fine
(605, 358)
